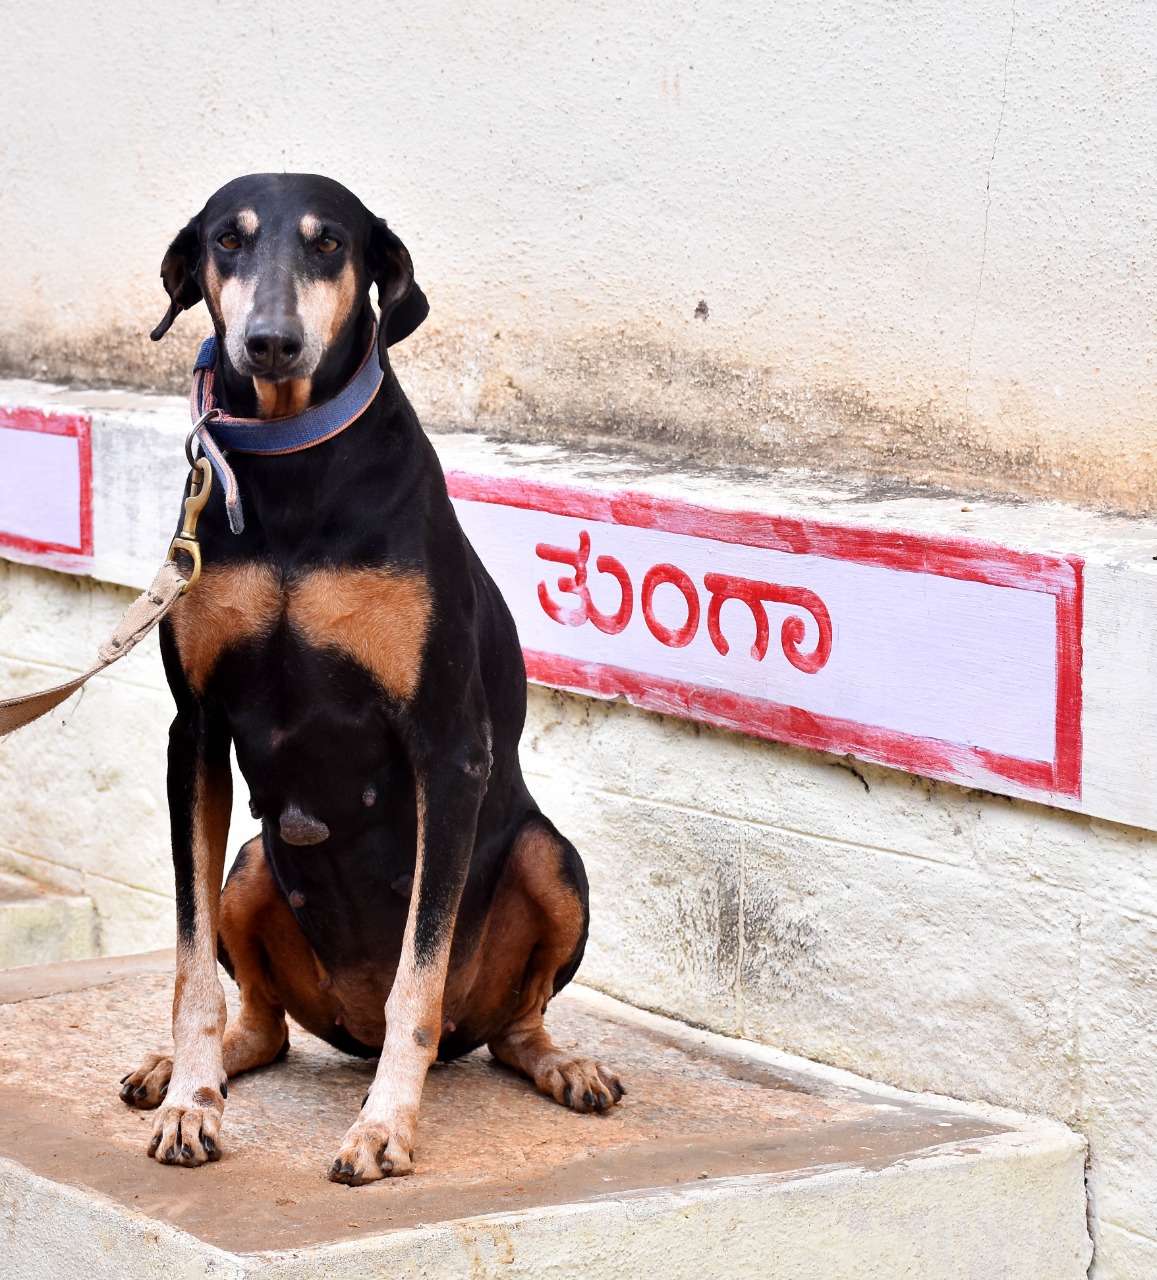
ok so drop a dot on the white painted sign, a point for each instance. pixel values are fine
(942, 656)
(45, 482)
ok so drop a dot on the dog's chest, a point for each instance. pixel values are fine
(377, 617)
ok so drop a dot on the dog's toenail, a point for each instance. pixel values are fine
(589, 1098)
(140, 1091)
(124, 1078)
(567, 1096)
(224, 1088)
(365, 1099)
(164, 1090)
(170, 1155)
(186, 1151)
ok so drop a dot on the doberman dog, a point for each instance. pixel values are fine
(405, 894)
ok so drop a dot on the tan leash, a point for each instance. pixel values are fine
(169, 585)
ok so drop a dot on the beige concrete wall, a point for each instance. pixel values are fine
(922, 232)
(912, 931)
(926, 935)
(84, 789)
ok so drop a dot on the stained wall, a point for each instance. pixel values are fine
(913, 240)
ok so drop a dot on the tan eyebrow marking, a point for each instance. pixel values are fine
(310, 226)
(248, 222)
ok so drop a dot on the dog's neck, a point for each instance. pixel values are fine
(245, 397)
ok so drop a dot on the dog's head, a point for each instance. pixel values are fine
(284, 262)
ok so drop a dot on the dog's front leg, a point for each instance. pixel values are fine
(188, 1124)
(449, 792)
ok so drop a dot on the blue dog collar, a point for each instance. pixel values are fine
(220, 433)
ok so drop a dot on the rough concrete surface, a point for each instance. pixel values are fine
(724, 1159)
(913, 241)
(912, 931)
(40, 926)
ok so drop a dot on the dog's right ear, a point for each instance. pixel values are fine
(178, 273)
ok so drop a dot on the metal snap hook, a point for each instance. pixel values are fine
(210, 415)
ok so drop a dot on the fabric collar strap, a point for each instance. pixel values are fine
(220, 433)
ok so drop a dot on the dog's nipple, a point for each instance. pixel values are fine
(300, 829)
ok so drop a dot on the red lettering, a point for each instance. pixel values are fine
(791, 634)
(609, 623)
(722, 587)
(657, 575)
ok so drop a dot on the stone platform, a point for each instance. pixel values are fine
(725, 1159)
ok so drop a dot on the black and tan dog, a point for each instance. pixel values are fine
(405, 893)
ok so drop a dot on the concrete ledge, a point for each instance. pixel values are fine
(726, 1159)
(1109, 687)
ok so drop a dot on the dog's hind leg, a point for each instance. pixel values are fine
(250, 904)
(543, 898)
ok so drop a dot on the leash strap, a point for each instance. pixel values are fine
(220, 433)
(140, 618)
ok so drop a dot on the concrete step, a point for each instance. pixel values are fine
(726, 1159)
(39, 925)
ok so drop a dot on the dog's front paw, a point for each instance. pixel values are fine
(371, 1150)
(584, 1085)
(189, 1135)
(147, 1085)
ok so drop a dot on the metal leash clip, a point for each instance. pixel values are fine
(200, 486)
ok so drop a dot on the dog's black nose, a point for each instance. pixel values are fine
(273, 346)
(301, 829)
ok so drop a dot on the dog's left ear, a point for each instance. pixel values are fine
(178, 270)
(402, 303)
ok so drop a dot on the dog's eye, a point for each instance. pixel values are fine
(327, 244)
(229, 241)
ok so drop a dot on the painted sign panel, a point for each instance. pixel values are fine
(943, 656)
(45, 482)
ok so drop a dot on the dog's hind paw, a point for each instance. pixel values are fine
(583, 1085)
(146, 1087)
(369, 1151)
